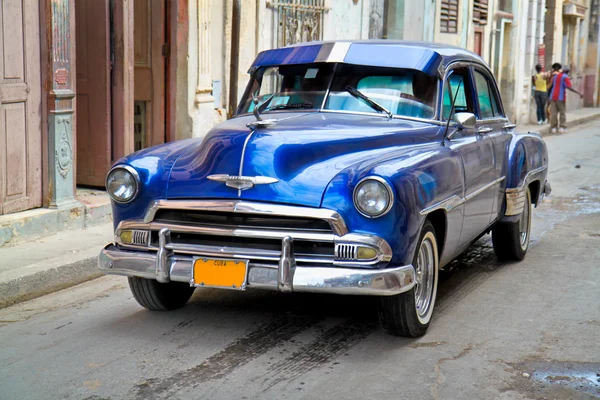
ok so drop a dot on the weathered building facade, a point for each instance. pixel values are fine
(83, 83)
(512, 36)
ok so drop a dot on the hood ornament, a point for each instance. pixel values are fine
(260, 122)
(242, 182)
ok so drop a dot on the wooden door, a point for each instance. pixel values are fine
(92, 26)
(20, 106)
(149, 61)
(478, 41)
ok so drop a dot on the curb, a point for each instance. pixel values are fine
(545, 130)
(40, 222)
(48, 281)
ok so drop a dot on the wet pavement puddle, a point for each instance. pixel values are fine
(581, 377)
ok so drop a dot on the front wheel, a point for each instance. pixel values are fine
(157, 296)
(409, 314)
(511, 239)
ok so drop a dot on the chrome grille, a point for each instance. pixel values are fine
(245, 244)
(346, 251)
(253, 236)
(240, 220)
(251, 231)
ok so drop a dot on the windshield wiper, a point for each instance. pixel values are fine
(289, 106)
(375, 106)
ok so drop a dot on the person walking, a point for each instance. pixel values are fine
(558, 94)
(540, 93)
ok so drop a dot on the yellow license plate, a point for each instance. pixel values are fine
(227, 274)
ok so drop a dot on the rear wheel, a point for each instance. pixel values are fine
(409, 314)
(156, 296)
(511, 239)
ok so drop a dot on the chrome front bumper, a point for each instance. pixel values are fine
(165, 266)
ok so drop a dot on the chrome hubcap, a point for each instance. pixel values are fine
(424, 278)
(524, 226)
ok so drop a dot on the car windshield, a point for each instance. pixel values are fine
(404, 92)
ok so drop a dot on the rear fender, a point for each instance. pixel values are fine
(527, 163)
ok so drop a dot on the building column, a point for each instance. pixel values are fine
(204, 99)
(58, 76)
(204, 89)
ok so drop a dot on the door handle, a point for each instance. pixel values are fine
(509, 126)
(484, 129)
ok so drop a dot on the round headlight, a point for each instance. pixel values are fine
(122, 183)
(373, 197)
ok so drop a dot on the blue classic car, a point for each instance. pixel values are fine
(354, 168)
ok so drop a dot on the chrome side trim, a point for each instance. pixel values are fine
(484, 188)
(317, 279)
(334, 219)
(455, 201)
(533, 172)
(447, 205)
(492, 120)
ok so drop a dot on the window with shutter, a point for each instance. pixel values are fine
(449, 16)
(480, 12)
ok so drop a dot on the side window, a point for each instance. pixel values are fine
(488, 103)
(457, 87)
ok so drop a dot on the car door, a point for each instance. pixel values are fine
(476, 151)
(492, 122)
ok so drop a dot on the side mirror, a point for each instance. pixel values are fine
(465, 120)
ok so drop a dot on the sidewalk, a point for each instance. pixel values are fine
(38, 267)
(45, 250)
(92, 209)
(574, 118)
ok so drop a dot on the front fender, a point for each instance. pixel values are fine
(154, 167)
(420, 179)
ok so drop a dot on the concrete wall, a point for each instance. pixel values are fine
(346, 20)
(509, 48)
(414, 20)
(203, 109)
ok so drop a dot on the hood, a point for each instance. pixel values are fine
(303, 151)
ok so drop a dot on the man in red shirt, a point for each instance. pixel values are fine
(558, 94)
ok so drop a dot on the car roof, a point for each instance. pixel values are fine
(430, 58)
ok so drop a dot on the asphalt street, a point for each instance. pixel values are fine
(527, 330)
